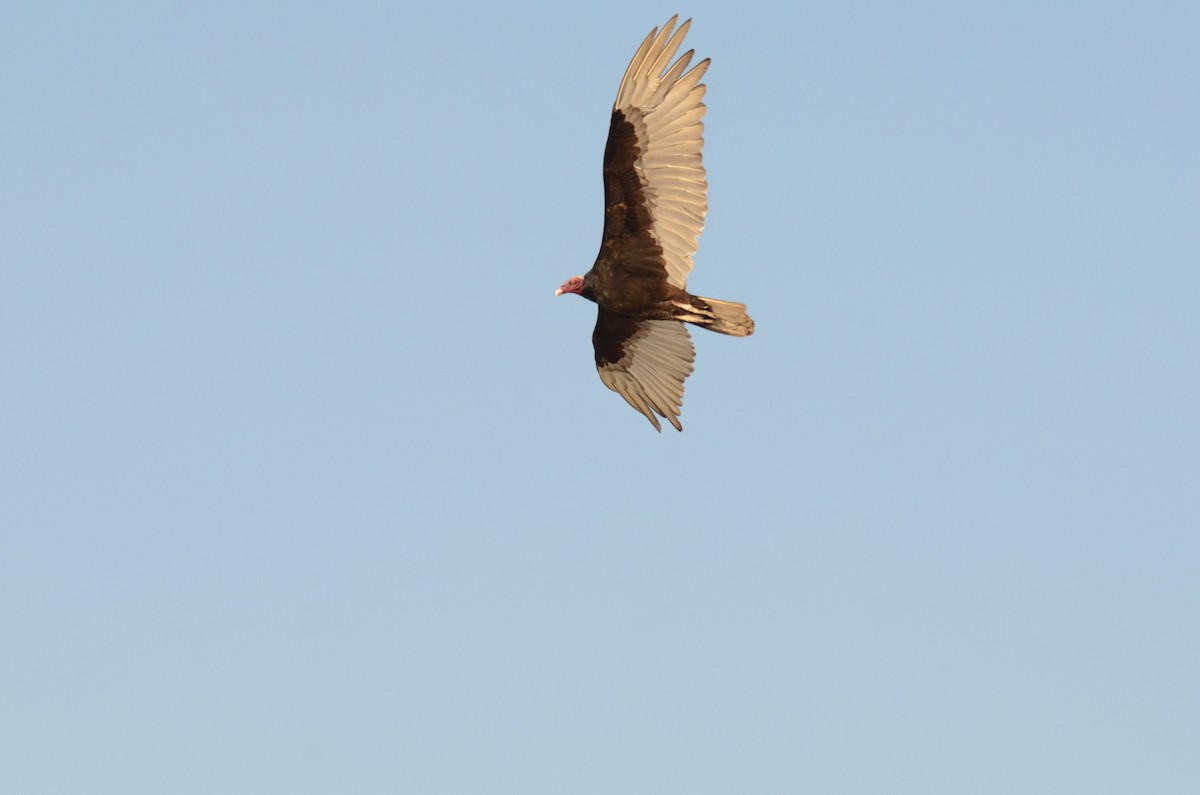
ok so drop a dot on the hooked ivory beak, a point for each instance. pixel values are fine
(558, 292)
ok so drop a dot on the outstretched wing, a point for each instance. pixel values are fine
(645, 362)
(654, 182)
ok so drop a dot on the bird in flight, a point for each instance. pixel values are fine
(655, 200)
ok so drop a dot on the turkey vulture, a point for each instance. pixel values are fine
(654, 208)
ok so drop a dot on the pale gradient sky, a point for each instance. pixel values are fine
(309, 485)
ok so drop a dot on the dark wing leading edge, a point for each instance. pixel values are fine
(645, 362)
(654, 181)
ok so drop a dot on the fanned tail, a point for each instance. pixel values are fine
(729, 318)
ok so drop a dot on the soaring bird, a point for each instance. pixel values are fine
(654, 206)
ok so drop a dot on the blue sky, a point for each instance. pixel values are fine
(310, 485)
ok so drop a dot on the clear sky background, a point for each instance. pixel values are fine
(309, 484)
